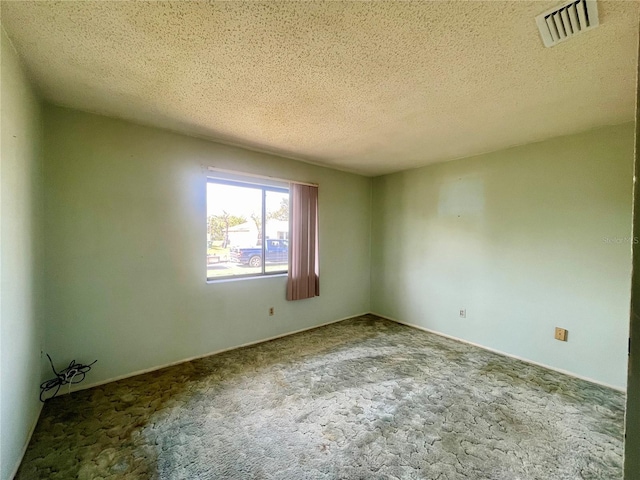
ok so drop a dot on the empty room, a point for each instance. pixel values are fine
(319, 240)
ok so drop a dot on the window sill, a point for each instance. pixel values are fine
(248, 277)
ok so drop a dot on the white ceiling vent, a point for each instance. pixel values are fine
(562, 23)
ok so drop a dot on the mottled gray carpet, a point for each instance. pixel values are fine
(361, 399)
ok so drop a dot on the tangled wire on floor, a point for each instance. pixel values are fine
(73, 374)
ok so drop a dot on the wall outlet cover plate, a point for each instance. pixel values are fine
(561, 334)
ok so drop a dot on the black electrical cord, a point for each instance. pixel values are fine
(73, 374)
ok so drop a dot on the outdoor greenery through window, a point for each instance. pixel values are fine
(247, 229)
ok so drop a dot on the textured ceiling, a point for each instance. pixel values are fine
(370, 87)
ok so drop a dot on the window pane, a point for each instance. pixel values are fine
(239, 215)
(234, 216)
(277, 231)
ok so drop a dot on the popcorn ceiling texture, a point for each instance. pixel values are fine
(370, 87)
(361, 399)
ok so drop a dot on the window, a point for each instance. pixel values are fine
(247, 228)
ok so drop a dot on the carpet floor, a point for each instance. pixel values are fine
(365, 398)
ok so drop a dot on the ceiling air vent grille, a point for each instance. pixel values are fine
(564, 22)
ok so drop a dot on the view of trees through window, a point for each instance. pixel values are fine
(247, 229)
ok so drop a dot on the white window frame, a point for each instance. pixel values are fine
(239, 180)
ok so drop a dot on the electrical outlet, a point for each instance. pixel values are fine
(271, 311)
(561, 334)
(463, 313)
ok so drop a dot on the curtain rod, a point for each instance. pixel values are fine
(265, 177)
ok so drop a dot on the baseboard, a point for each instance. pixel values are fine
(504, 354)
(66, 391)
(26, 443)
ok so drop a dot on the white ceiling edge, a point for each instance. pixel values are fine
(191, 133)
(212, 139)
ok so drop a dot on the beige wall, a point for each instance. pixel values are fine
(632, 420)
(21, 324)
(126, 244)
(524, 239)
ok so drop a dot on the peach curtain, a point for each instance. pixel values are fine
(304, 281)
